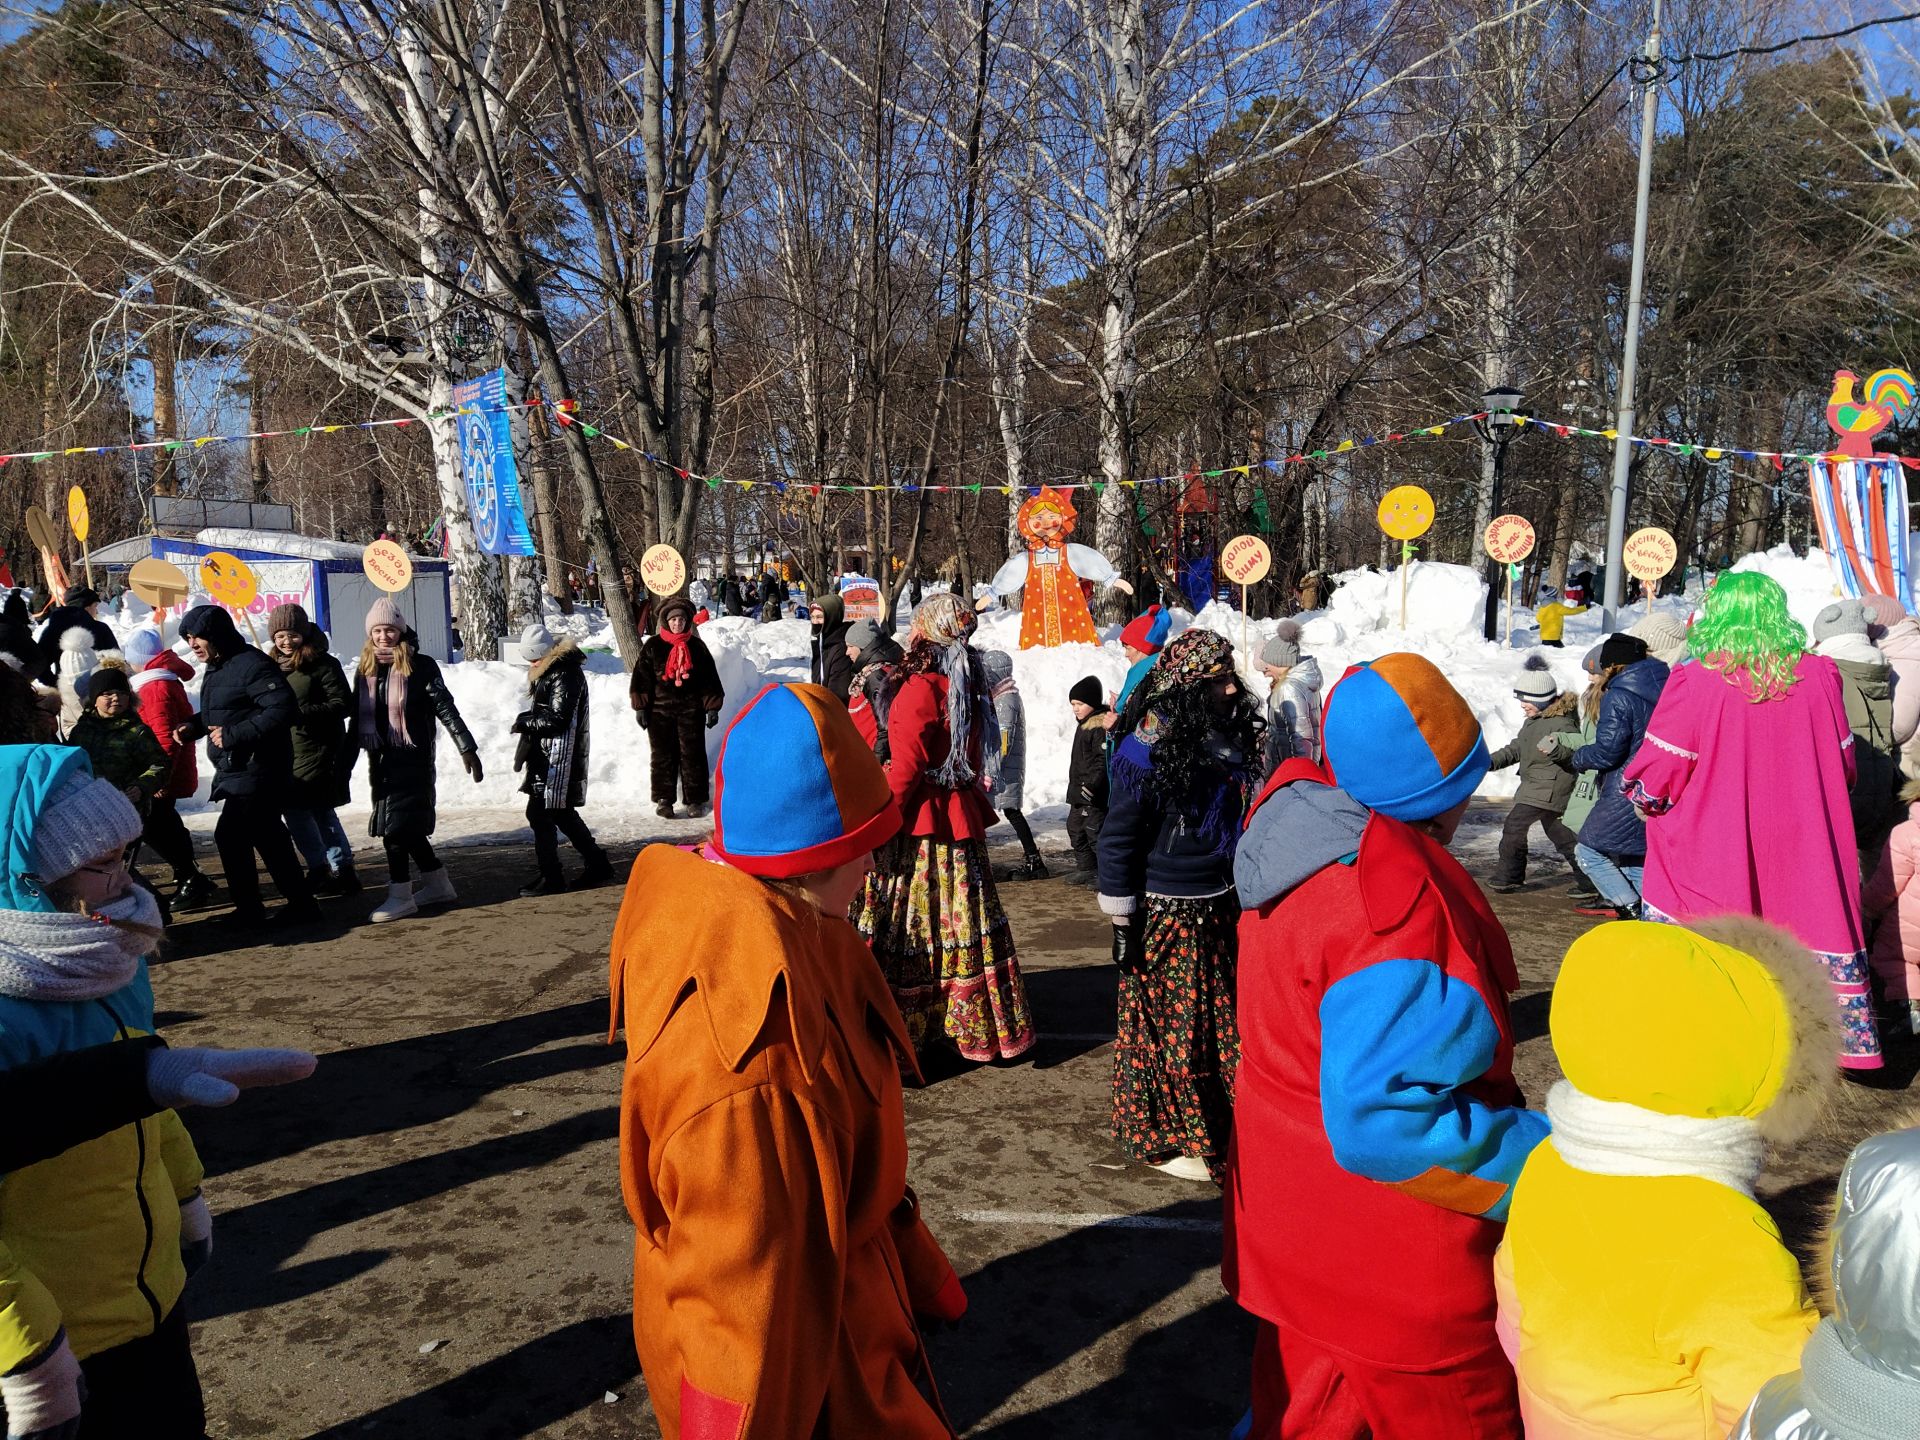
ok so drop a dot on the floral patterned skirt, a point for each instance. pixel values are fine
(933, 918)
(1179, 1045)
(1851, 978)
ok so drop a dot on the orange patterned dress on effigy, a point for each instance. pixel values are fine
(1054, 611)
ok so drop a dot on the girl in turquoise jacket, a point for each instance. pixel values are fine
(95, 1243)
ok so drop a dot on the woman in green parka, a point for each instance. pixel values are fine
(319, 750)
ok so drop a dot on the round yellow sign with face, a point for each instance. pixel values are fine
(1406, 512)
(77, 516)
(229, 580)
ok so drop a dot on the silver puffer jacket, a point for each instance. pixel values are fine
(1859, 1377)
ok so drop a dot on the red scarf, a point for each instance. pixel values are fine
(679, 658)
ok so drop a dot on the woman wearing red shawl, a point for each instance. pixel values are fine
(676, 693)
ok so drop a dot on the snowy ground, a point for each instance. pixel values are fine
(1444, 604)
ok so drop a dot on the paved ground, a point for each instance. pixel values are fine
(446, 1184)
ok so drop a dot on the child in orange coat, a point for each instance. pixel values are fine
(1892, 901)
(780, 1264)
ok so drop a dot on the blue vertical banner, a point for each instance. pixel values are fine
(486, 460)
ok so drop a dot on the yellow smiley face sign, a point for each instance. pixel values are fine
(229, 580)
(1406, 512)
(77, 518)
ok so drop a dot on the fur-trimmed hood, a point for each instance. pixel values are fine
(1720, 1019)
(564, 652)
(1567, 702)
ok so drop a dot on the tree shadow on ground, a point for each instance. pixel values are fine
(1032, 1312)
(531, 1387)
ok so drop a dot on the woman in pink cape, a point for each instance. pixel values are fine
(1744, 779)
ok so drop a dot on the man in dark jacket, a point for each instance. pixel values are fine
(79, 607)
(247, 713)
(831, 667)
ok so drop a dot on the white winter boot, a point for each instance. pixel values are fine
(398, 905)
(434, 887)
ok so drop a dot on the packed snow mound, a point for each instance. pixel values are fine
(1441, 600)
(1807, 579)
(280, 542)
(1362, 623)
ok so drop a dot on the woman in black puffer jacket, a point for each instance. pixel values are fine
(398, 696)
(554, 735)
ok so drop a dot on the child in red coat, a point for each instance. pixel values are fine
(1377, 1126)
(160, 694)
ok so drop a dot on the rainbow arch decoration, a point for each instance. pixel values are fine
(1861, 507)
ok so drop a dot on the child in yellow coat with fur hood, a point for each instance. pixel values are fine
(1644, 1294)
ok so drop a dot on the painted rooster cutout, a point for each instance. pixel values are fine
(1887, 397)
(1054, 610)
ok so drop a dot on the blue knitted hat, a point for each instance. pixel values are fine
(1400, 740)
(796, 789)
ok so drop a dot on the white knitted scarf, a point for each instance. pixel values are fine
(1608, 1137)
(58, 955)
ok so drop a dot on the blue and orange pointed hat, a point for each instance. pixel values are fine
(796, 789)
(1401, 740)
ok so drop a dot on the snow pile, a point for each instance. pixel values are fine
(279, 542)
(1442, 600)
(1807, 579)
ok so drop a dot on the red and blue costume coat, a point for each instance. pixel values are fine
(1378, 1128)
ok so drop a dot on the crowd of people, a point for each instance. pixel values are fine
(1313, 1014)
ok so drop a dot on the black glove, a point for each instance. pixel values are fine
(713, 718)
(643, 717)
(472, 761)
(1126, 947)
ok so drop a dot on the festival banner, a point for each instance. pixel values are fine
(486, 459)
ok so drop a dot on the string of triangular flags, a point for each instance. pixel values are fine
(782, 487)
(196, 442)
(566, 412)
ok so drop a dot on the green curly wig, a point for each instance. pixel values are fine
(1746, 633)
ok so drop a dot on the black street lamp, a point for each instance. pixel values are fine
(1498, 428)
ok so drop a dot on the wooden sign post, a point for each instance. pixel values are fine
(1649, 554)
(80, 521)
(662, 570)
(1509, 541)
(1406, 513)
(1244, 562)
(231, 583)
